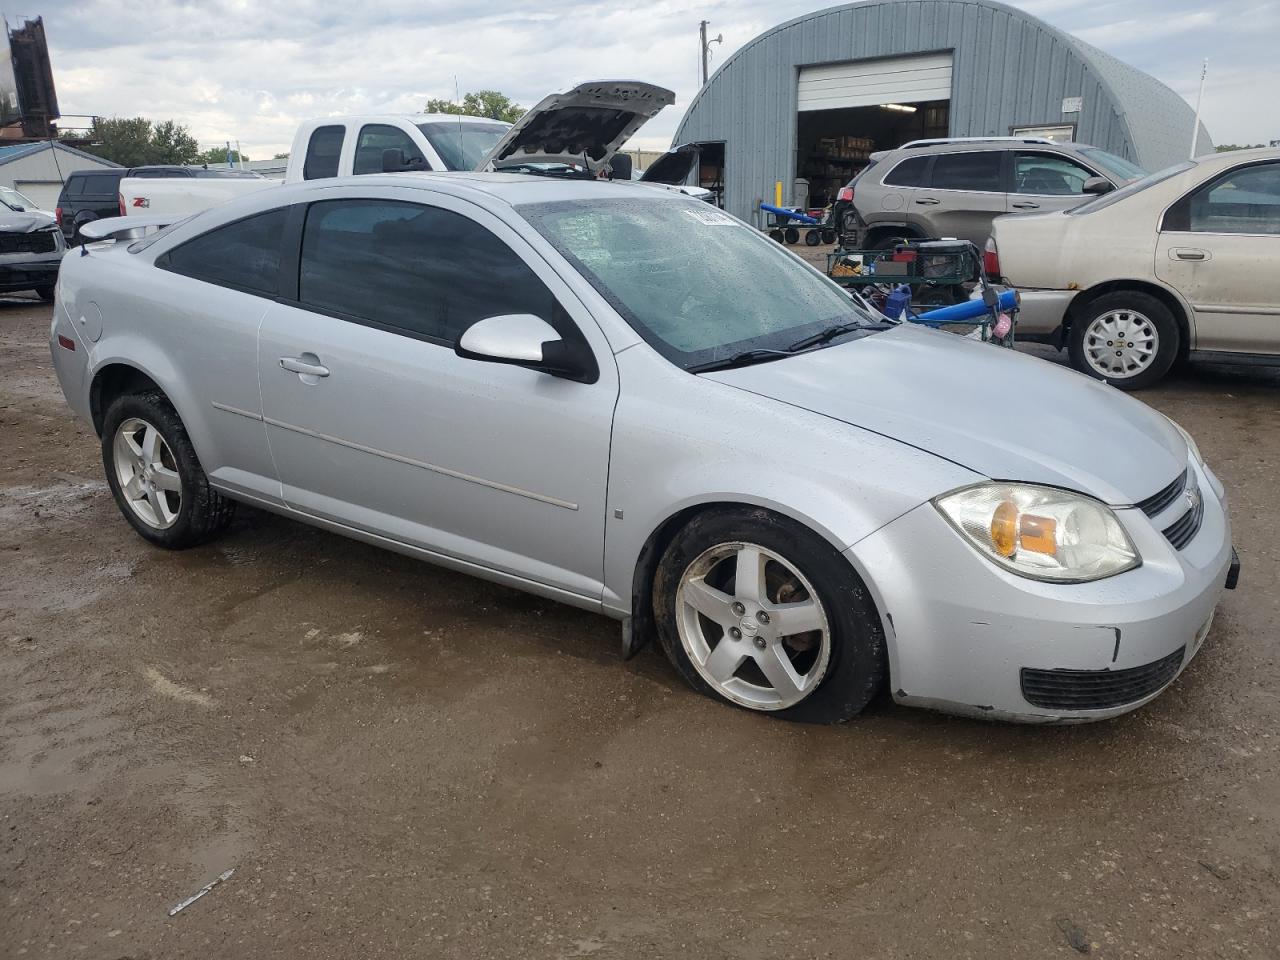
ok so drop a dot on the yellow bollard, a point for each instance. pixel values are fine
(777, 193)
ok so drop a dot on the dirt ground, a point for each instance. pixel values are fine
(403, 762)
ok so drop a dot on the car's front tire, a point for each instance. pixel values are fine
(1128, 338)
(155, 476)
(759, 611)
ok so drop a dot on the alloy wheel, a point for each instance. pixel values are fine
(753, 626)
(1120, 344)
(147, 473)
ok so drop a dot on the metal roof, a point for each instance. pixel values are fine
(18, 150)
(1009, 69)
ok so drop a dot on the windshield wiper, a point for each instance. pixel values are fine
(740, 359)
(827, 334)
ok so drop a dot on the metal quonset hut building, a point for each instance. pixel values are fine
(812, 97)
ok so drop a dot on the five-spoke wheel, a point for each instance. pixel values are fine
(147, 473)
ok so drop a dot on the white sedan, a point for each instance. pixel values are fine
(1185, 262)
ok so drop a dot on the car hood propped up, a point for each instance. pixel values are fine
(1005, 415)
(584, 126)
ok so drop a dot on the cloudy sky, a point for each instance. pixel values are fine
(231, 69)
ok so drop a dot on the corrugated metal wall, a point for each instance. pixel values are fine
(1010, 69)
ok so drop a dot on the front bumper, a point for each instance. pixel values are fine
(963, 633)
(26, 271)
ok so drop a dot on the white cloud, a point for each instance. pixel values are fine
(229, 69)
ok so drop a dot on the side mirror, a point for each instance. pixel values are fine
(1097, 186)
(523, 340)
(620, 167)
(394, 161)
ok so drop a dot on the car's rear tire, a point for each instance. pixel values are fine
(1128, 338)
(702, 599)
(155, 476)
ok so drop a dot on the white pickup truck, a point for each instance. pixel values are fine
(573, 133)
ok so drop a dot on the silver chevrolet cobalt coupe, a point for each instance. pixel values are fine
(629, 401)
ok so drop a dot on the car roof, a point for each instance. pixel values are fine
(1229, 158)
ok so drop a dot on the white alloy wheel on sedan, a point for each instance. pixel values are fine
(1127, 337)
(1121, 343)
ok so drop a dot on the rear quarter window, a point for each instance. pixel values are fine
(909, 173)
(101, 184)
(244, 255)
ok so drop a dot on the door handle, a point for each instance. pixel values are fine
(1025, 205)
(308, 365)
(928, 201)
(1190, 253)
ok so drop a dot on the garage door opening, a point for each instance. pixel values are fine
(849, 110)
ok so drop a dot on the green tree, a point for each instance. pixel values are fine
(1228, 147)
(137, 142)
(217, 157)
(482, 103)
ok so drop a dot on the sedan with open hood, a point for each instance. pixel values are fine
(629, 401)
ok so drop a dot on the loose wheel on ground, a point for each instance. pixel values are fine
(757, 610)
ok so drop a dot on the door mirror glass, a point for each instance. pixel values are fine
(1097, 186)
(524, 340)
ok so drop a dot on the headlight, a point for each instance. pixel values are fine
(1191, 444)
(1041, 532)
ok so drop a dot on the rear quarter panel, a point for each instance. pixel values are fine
(182, 196)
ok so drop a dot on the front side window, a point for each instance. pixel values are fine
(463, 145)
(974, 170)
(1244, 201)
(695, 283)
(377, 137)
(413, 269)
(1047, 174)
(323, 151)
(244, 255)
(909, 173)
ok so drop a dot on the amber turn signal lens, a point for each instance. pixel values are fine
(1038, 534)
(1004, 528)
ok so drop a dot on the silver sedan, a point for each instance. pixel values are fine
(638, 405)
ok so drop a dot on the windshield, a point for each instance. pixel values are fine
(1129, 189)
(14, 200)
(1118, 167)
(463, 145)
(695, 283)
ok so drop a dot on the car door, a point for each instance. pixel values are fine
(1219, 246)
(1044, 181)
(377, 424)
(965, 192)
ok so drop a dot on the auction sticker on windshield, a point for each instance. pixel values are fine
(711, 217)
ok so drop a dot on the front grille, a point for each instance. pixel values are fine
(1097, 689)
(1160, 501)
(1183, 530)
(41, 242)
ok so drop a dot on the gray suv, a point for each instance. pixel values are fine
(954, 188)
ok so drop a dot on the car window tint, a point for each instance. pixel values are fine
(909, 173)
(417, 269)
(323, 150)
(976, 170)
(1047, 174)
(377, 137)
(101, 184)
(1246, 201)
(244, 254)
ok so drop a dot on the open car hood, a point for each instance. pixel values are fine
(584, 126)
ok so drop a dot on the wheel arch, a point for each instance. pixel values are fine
(116, 379)
(1181, 314)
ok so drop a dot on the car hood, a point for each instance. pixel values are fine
(585, 125)
(27, 221)
(1005, 415)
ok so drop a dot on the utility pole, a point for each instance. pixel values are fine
(1195, 129)
(704, 46)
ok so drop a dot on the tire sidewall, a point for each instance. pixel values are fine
(856, 669)
(159, 414)
(1150, 307)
